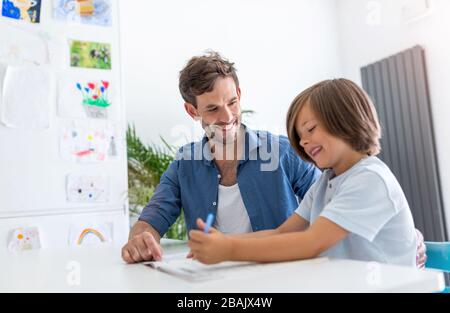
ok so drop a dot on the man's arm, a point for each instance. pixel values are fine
(143, 244)
(156, 218)
(141, 227)
(165, 205)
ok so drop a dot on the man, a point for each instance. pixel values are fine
(251, 180)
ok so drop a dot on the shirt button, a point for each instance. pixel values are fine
(218, 176)
(214, 203)
(330, 186)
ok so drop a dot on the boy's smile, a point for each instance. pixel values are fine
(326, 150)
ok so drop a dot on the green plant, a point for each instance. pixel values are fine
(146, 165)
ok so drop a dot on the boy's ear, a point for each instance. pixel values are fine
(191, 110)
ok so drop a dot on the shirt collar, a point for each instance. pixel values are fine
(252, 142)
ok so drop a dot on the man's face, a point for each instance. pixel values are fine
(219, 111)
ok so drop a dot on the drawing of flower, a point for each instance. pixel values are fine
(95, 99)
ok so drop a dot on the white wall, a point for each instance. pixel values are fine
(33, 175)
(279, 47)
(364, 42)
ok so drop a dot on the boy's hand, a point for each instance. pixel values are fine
(210, 248)
(201, 226)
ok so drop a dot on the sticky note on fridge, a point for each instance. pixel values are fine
(24, 238)
(26, 98)
(87, 188)
(88, 234)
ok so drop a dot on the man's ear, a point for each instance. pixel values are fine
(191, 110)
(238, 90)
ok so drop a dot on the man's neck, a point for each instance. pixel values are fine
(226, 157)
(229, 152)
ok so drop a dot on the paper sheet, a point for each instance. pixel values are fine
(79, 97)
(89, 143)
(85, 188)
(26, 98)
(3, 69)
(85, 54)
(23, 238)
(179, 266)
(98, 12)
(89, 234)
(22, 47)
(26, 10)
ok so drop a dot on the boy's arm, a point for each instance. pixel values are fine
(293, 224)
(321, 236)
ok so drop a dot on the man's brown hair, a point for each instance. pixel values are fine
(346, 112)
(200, 74)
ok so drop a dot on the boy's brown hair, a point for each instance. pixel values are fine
(200, 74)
(346, 112)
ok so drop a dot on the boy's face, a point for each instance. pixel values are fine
(325, 150)
(219, 111)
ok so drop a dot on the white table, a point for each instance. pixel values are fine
(101, 269)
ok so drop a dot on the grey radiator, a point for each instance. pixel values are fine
(399, 88)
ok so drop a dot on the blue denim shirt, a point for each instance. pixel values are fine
(271, 177)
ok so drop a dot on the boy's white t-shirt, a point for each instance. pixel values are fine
(369, 203)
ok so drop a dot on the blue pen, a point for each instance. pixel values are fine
(209, 221)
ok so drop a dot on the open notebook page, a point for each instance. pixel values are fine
(178, 265)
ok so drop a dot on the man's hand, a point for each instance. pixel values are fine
(142, 247)
(210, 248)
(421, 257)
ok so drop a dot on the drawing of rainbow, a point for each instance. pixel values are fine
(90, 231)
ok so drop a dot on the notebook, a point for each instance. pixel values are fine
(191, 270)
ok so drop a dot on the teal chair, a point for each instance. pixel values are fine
(438, 254)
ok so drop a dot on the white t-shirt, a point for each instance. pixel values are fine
(367, 201)
(231, 216)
